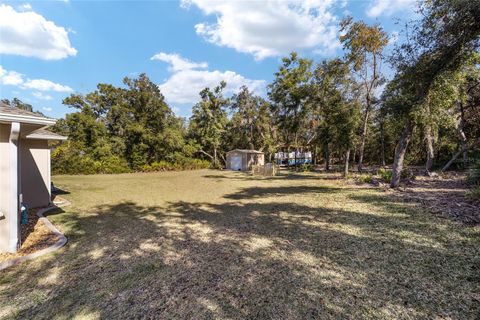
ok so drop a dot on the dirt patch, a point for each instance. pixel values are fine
(446, 196)
(35, 236)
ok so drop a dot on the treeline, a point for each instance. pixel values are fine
(343, 110)
(124, 129)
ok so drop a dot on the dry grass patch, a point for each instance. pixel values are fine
(224, 245)
(35, 237)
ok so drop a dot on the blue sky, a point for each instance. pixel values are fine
(51, 49)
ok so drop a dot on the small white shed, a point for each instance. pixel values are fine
(242, 159)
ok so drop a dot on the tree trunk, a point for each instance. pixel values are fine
(463, 138)
(347, 159)
(363, 138)
(462, 150)
(214, 157)
(430, 150)
(327, 159)
(382, 145)
(296, 151)
(288, 156)
(354, 153)
(400, 151)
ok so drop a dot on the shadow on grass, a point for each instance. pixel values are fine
(247, 261)
(256, 192)
(284, 174)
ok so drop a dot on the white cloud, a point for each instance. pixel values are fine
(388, 7)
(26, 6)
(45, 85)
(189, 78)
(42, 96)
(31, 35)
(269, 28)
(14, 78)
(48, 109)
(178, 63)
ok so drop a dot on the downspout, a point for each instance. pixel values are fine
(13, 212)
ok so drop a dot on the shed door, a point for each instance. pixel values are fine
(236, 162)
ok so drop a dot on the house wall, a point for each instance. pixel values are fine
(35, 172)
(4, 186)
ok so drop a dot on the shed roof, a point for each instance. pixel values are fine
(245, 151)
(12, 114)
(43, 134)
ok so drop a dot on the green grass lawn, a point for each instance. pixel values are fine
(224, 245)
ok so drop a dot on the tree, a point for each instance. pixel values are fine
(289, 93)
(17, 103)
(335, 97)
(443, 40)
(208, 121)
(364, 45)
(251, 125)
(130, 126)
(466, 108)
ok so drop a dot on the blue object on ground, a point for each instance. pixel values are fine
(24, 214)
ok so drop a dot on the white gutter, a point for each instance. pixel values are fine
(5, 117)
(13, 212)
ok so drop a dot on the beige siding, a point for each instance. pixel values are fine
(35, 172)
(4, 185)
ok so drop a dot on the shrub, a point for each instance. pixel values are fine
(84, 164)
(112, 164)
(474, 174)
(385, 175)
(474, 180)
(306, 167)
(365, 178)
(474, 193)
(407, 174)
(183, 164)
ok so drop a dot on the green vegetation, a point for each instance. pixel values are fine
(185, 164)
(474, 174)
(474, 179)
(428, 114)
(209, 244)
(385, 175)
(364, 178)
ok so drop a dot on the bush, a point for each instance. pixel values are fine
(474, 180)
(112, 164)
(183, 164)
(364, 178)
(306, 167)
(474, 193)
(385, 175)
(84, 164)
(407, 174)
(474, 174)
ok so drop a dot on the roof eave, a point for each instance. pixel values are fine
(46, 137)
(26, 119)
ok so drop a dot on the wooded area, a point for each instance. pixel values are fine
(344, 110)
